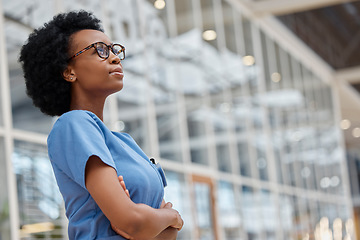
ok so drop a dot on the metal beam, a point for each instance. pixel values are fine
(282, 7)
(350, 75)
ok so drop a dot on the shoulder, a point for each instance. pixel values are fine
(76, 114)
(78, 118)
(76, 121)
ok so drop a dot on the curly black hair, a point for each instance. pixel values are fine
(44, 57)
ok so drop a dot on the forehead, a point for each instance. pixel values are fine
(85, 37)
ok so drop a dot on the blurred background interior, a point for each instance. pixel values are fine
(252, 107)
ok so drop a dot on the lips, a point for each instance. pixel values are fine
(117, 71)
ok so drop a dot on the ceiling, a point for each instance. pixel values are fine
(333, 33)
(331, 29)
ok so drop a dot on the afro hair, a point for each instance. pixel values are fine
(44, 57)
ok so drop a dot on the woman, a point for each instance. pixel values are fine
(70, 68)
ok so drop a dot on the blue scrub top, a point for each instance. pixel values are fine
(75, 137)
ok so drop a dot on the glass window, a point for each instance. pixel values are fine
(262, 163)
(229, 211)
(197, 133)
(208, 22)
(39, 198)
(2, 69)
(184, 16)
(177, 193)
(244, 158)
(223, 157)
(205, 208)
(4, 200)
(287, 218)
(22, 18)
(251, 212)
(169, 135)
(133, 112)
(230, 30)
(93, 6)
(164, 80)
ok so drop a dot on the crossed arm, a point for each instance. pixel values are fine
(134, 221)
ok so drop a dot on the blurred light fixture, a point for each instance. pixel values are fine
(38, 227)
(248, 60)
(337, 229)
(119, 126)
(356, 132)
(225, 107)
(276, 77)
(325, 182)
(334, 181)
(345, 124)
(261, 163)
(297, 136)
(209, 35)
(305, 172)
(159, 4)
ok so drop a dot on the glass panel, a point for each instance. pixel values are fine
(22, 18)
(178, 195)
(230, 220)
(39, 199)
(4, 200)
(164, 81)
(184, 16)
(251, 213)
(168, 133)
(244, 158)
(269, 214)
(2, 70)
(135, 101)
(229, 28)
(286, 216)
(208, 21)
(261, 157)
(204, 210)
(93, 6)
(197, 132)
(223, 157)
(303, 218)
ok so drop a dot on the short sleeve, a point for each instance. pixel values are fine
(75, 137)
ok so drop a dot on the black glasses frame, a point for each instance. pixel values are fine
(111, 46)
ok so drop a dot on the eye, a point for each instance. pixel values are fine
(117, 49)
(102, 50)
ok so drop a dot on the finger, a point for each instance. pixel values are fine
(162, 204)
(122, 183)
(127, 193)
(168, 205)
(182, 224)
(121, 178)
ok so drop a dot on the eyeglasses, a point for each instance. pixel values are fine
(103, 50)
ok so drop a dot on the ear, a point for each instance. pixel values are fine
(69, 74)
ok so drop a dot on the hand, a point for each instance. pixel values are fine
(118, 231)
(169, 233)
(180, 221)
(122, 183)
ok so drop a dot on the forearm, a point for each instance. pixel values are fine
(169, 233)
(149, 222)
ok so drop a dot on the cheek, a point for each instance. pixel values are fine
(92, 72)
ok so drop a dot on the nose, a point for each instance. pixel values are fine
(114, 58)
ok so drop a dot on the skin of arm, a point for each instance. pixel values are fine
(139, 221)
(169, 233)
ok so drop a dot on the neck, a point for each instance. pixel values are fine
(93, 105)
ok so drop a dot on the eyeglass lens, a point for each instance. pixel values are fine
(103, 50)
